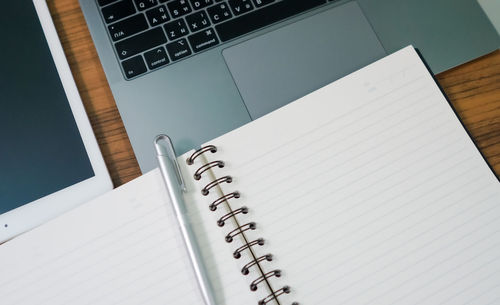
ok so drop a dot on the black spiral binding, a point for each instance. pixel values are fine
(213, 205)
(240, 229)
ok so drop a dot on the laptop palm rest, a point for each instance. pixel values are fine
(278, 67)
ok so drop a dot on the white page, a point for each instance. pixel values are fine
(122, 248)
(369, 191)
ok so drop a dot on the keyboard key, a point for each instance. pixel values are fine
(134, 66)
(145, 4)
(263, 17)
(240, 6)
(203, 40)
(139, 43)
(156, 58)
(199, 4)
(157, 15)
(219, 13)
(118, 11)
(176, 29)
(105, 2)
(259, 3)
(179, 8)
(178, 49)
(128, 27)
(197, 21)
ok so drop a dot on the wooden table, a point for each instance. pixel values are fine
(473, 89)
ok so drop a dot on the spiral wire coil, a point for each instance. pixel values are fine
(240, 229)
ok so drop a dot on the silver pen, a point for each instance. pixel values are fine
(175, 185)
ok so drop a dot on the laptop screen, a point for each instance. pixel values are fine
(41, 150)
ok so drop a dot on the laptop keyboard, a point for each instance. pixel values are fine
(150, 34)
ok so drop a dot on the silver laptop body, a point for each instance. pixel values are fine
(196, 69)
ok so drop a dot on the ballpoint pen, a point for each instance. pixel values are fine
(172, 176)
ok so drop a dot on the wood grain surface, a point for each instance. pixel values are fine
(473, 89)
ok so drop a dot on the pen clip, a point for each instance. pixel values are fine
(165, 148)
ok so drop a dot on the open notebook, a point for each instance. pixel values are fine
(367, 191)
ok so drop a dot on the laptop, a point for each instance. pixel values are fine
(196, 69)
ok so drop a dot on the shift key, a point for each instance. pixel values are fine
(139, 43)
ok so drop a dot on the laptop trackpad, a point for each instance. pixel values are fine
(280, 66)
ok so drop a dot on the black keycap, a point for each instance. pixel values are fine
(219, 12)
(145, 4)
(176, 29)
(259, 3)
(240, 6)
(178, 49)
(105, 2)
(263, 17)
(118, 11)
(179, 8)
(139, 43)
(197, 21)
(157, 15)
(134, 66)
(156, 58)
(127, 27)
(203, 40)
(199, 4)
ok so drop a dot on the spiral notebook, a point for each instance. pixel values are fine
(367, 191)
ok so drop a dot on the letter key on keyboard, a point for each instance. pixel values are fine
(219, 13)
(199, 4)
(197, 21)
(145, 4)
(157, 15)
(179, 8)
(176, 29)
(240, 6)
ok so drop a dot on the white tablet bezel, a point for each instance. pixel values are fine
(39, 211)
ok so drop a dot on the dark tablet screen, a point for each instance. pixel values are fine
(41, 150)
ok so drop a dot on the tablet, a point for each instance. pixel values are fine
(49, 158)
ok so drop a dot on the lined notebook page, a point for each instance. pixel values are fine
(122, 248)
(369, 191)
